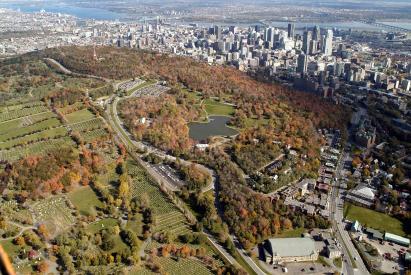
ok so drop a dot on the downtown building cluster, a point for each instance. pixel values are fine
(312, 59)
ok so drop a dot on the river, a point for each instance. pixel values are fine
(104, 14)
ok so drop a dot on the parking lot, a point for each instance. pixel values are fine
(298, 268)
(169, 174)
(390, 252)
(126, 86)
(153, 90)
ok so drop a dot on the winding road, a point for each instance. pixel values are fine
(127, 139)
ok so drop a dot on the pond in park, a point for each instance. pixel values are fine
(216, 126)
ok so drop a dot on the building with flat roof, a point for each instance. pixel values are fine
(374, 234)
(284, 250)
(396, 239)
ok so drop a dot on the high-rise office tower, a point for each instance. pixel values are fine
(291, 29)
(269, 37)
(328, 43)
(306, 41)
(217, 32)
(313, 47)
(302, 63)
(257, 28)
(316, 33)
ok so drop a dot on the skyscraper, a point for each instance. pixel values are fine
(269, 34)
(328, 43)
(306, 41)
(316, 33)
(217, 32)
(291, 28)
(313, 47)
(302, 63)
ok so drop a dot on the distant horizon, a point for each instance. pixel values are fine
(106, 13)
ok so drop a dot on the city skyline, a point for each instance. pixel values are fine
(205, 137)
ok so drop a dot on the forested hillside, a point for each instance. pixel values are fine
(271, 119)
(253, 97)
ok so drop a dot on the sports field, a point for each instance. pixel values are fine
(374, 219)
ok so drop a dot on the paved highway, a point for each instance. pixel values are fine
(354, 265)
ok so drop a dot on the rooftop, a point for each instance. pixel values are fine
(292, 247)
(393, 237)
(363, 192)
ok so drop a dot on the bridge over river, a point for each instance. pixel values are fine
(386, 26)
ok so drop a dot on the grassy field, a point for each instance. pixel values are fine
(136, 224)
(294, 233)
(10, 248)
(85, 200)
(100, 225)
(79, 116)
(374, 219)
(217, 108)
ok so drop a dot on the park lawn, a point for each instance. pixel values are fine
(10, 248)
(80, 115)
(217, 108)
(192, 95)
(374, 219)
(293, 233)
(136, 224)
(119, 245)
(95, 227)
(85, 200)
